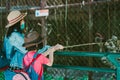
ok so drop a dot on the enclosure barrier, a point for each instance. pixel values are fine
(112, 57)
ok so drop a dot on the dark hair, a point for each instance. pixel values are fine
(13, 28)
(35, 47)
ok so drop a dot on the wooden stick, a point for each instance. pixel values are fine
(87, 44)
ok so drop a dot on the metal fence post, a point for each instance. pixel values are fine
(44, 33)
(118, 73)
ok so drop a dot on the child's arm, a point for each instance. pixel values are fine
(51, 51)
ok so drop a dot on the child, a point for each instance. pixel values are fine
(34, 65)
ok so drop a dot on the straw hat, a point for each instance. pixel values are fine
(32, 38)
(14, 17)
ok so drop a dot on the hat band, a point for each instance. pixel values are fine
(15, 19)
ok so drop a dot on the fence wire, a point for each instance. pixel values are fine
(70, 22)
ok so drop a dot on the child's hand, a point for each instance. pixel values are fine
(58, 46)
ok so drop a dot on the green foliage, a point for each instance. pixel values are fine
(1, 76)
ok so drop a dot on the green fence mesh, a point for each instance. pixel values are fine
(71, 74)
(1, 76)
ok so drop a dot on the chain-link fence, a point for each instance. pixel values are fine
(76, 23)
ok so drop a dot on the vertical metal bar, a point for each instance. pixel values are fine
(118, 73)
(1, 23)
(44, 33)
(114, 16)
(108, 13)
(8, 5)
(90, 25)
(66, 33)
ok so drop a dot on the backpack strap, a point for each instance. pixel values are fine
(32, 61)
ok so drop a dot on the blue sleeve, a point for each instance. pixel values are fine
(45, 48)
(17, 40)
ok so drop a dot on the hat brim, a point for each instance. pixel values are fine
(31, 44)
(20, 18)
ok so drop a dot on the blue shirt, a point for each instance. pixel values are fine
(14, 49)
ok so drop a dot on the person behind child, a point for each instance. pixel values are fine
(34, 65)
(13, 42)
